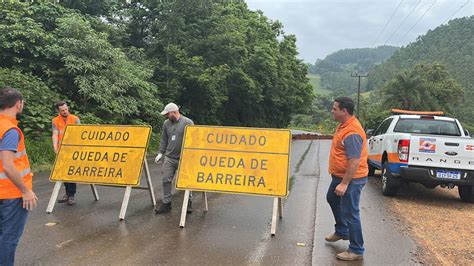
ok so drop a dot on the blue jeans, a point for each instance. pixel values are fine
(12, 222)
(70, 189)
(346, 212)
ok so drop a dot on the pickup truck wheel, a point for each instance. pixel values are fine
(466, 193)
(390, 185)
(371, 170)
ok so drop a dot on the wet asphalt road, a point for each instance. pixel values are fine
(235, 231)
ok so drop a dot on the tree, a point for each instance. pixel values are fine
(36, 118)
(223, 63)
(426, 87)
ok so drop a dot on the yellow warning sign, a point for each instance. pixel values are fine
(235, 160)
(101, 154)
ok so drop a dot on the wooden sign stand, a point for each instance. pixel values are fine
(126, 197)
(277, 211)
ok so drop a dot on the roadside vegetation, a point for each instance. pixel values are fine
(119, 63)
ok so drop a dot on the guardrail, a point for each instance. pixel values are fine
(310, 136)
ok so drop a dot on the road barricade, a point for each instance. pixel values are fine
(235, 160)
(109, 155)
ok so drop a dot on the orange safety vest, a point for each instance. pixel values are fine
(8, 190)
(337, 158)
(60, 124)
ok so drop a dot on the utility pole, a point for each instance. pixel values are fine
(358, 90)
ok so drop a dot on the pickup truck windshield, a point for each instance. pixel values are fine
(427, 126)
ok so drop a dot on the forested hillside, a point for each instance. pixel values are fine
(451, 45)
(336, 69)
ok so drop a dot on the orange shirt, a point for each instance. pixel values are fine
(8, 190)
(337, 159)
(60, 124)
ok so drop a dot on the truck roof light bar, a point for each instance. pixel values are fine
(408, 112)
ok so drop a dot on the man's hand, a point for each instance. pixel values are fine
(158, 157)
(341, 189)
(29, 200)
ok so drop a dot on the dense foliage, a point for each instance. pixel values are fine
(120, 62)
(451, 45)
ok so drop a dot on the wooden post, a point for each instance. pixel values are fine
(126, 198)
(148, 180)
(54, 197)
(274, 216)
(182, 221)
(94, 192)
(205, 202)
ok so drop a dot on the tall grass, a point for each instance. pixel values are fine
(40, 153)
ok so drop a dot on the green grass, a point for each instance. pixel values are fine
(40, 153)
(315, 82)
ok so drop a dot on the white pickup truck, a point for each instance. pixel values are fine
(422, 147)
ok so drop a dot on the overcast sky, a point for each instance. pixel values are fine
(323, 26)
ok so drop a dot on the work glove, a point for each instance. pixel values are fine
(158, 157)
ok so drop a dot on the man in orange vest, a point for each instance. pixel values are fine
(16, 195)
(59, 125)
(348, 168)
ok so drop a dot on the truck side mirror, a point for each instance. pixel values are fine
(369, 132)
(466, 133)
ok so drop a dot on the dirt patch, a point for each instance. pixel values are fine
(438, 220)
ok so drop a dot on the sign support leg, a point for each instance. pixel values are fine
(205, 202)
(94, 191)
(148, 181)
(182, 222)
(274, 216)
(280, 208)
(54, 197)
(126, 198)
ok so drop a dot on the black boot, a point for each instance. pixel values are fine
(63, 199)
(165, 207)
(190, 207)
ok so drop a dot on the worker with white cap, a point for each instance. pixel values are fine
(170, 146)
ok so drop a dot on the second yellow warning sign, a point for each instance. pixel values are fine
(235, 160)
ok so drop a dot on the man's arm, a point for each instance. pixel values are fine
(164, 140)
(55, 138)
(29, 197)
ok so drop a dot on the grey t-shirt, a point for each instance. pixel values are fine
(353, 146)
(172, 136)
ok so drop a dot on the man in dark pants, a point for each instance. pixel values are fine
(59, 124)
(170, 146)
(16, 186)
(348, 168)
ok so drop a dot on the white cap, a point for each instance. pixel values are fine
(171, 107)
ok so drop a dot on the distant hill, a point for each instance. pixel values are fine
(314, 81)
(451, 45)
(335, 70)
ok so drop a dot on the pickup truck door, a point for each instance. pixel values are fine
(376, 143)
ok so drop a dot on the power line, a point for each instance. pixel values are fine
(455, 12)
(390, 19)
(416, 23)
(413, 9)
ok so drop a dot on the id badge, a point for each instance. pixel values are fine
(173, 138)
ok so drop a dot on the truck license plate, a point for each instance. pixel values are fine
(448, 174)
